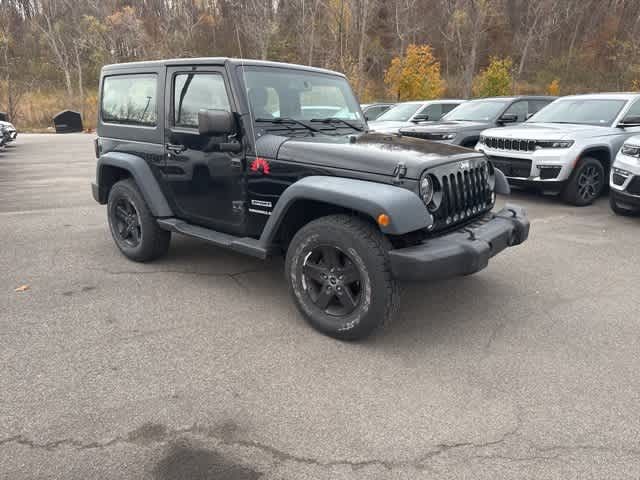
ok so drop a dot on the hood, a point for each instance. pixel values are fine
(550, 131)
(372, 152)
(451, 126)
(6, 124)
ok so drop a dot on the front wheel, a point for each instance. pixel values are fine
(338, 272)
(586, 183)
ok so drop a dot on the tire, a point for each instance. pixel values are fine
(133, 227)
(360, 249)
(587, 182)
(618, 210)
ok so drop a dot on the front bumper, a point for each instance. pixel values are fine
(625, 199)
(463, 252)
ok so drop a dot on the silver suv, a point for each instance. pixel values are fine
(625, 178)
(568, 146)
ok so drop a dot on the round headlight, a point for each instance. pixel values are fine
(426, 189)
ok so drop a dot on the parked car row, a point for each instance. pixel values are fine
(571, 146)
(8, 133)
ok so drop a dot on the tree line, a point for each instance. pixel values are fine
(51, 51)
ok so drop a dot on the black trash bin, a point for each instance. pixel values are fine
(4, 117)
(68, 121)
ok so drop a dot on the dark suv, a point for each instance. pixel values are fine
(463, 125)
(238, 154)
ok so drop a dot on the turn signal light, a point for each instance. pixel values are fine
(384, 220)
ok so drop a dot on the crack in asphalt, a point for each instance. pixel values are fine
(555, 452)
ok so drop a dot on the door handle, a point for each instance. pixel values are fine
(175, 148)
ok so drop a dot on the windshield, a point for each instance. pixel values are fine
(476, 111)
(298, 95)
(400, 113)
(580, 111)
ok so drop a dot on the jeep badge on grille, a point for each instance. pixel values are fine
(464, 165)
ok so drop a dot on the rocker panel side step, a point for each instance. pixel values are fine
(246, 245)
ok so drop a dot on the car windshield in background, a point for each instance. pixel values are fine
(476, 111)
(400, 113)
(580, 111)
(301, 96)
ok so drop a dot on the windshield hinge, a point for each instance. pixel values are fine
(399, 172)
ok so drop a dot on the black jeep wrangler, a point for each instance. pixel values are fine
(267, 159)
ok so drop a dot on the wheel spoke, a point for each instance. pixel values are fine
(346, 299)
(121, 213)
(315, 272)
(350, 274)
(330, 257)
(324, 297)
(135, 233)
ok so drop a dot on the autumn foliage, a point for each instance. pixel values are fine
(553, 88)
(415, 75)
(495, 80)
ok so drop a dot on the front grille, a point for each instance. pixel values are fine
(514, 144)
(464, 193)
(634, 186)
(512, 167)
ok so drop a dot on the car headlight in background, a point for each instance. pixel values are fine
(553, 144)
(441, 136)
(426, 189)
(630, 150)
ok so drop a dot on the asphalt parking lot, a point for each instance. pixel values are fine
(199, 367)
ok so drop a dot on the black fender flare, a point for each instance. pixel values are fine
(143, 176)
(406, 210)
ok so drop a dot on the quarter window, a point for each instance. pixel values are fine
(130, 99)
(194, 92)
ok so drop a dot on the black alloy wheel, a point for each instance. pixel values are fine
(332, 280)
(128, 222)
(589, 183)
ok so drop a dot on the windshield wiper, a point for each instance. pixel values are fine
(287, 120)
(337, 120)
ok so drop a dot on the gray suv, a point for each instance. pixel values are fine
(568, 147)
(462, 126)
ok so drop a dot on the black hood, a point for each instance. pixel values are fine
(372, 152)
(451, 126)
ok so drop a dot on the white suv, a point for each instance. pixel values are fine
(625, 178)
(568, 146)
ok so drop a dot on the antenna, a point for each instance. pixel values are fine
(244, 80)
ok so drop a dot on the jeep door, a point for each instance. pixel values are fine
(205, 186)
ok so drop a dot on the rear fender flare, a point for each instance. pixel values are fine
(143, 176)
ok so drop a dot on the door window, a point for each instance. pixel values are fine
(447, 107)
(634, 110)
(194, 92)
(520, 109)
(430, 112)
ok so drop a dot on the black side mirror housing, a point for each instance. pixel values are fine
(420, 118)
(508, 118)
(630, 121)
(216, 122)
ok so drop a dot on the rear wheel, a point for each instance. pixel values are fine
(133, 227)
(338, 272)
(586, 183)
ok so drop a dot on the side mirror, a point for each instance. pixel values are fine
(508, 118)
(216, 122)
(630, 121)
(421, 117)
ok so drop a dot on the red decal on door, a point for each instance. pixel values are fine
(260, 165)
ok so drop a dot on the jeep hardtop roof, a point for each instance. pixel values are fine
(213, 61)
